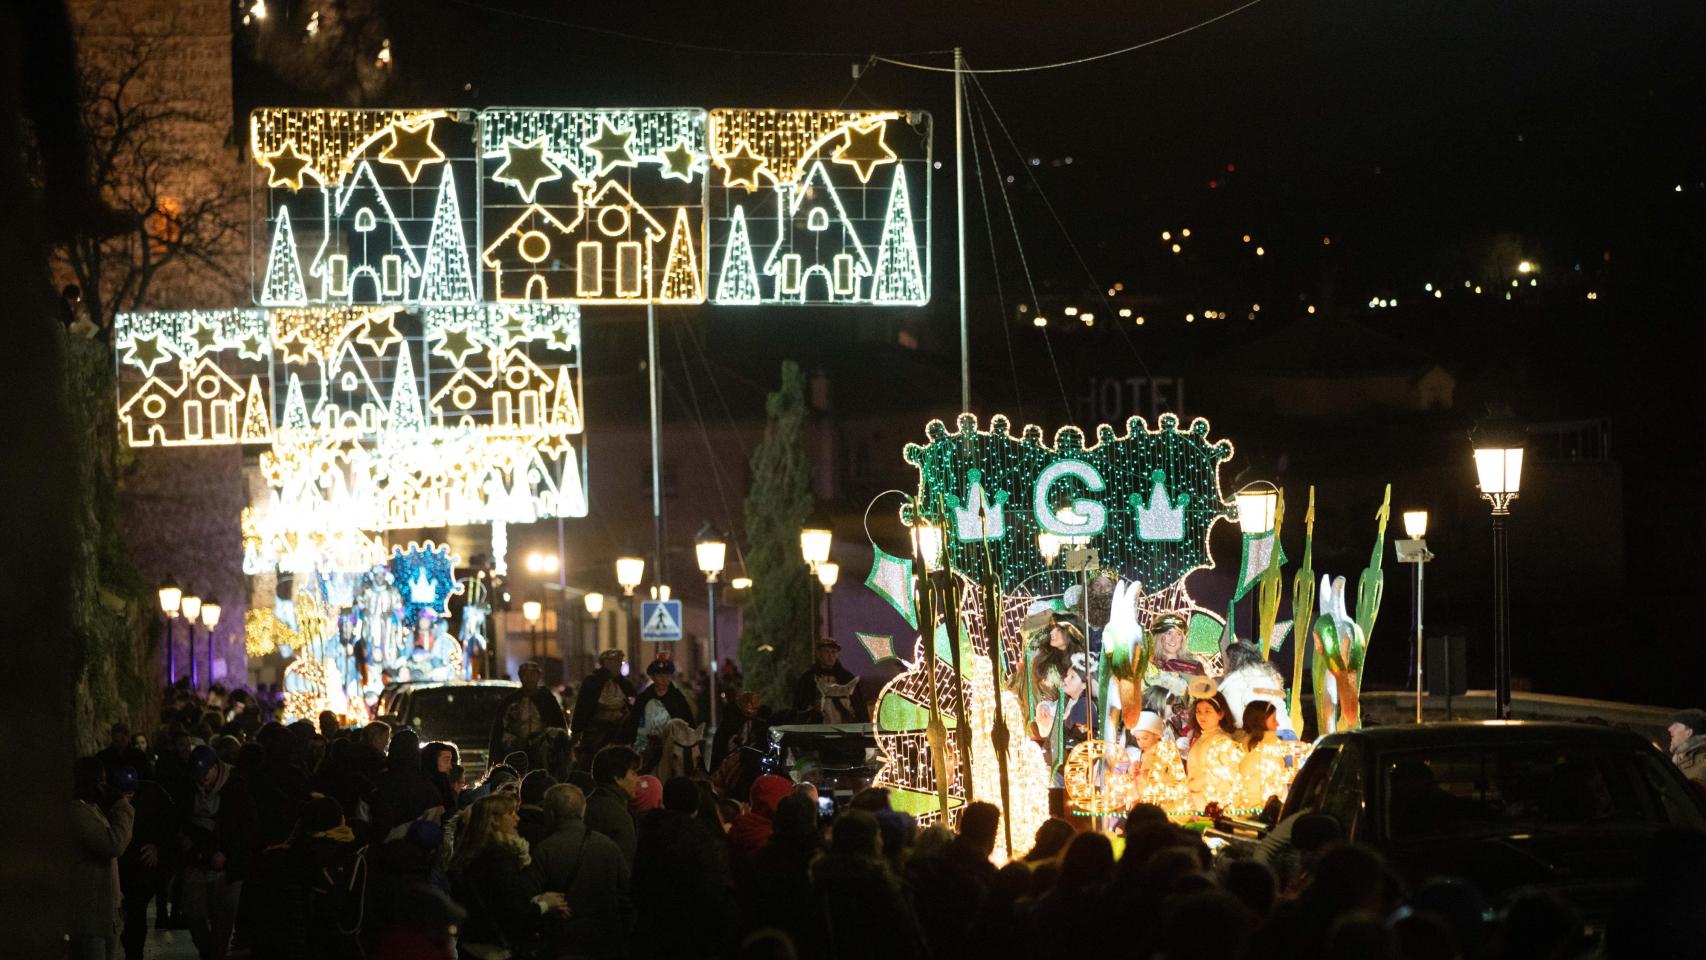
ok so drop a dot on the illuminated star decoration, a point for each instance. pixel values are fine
(287, 167)
(146, 353)
(743, 167)
(295, 347)
(205, 337)
(562, 337)
(455, 345)
(514, 325)
(526, 167)
(411, 148)
(678, 161)
(252, 347)
(611, 145)
(863, 149)
(380, 332)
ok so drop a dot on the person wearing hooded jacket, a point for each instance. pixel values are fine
(751, 830)
(305, 884)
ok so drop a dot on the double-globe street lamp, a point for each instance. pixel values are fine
(711, 549)
(1498, 467)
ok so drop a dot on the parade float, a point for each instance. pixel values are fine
(1059, 646)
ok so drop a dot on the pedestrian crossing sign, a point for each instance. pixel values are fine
(660, 621)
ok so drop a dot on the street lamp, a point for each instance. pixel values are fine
(827, 574)
(1498, 464)
(190, 608)
(531, 611)
(595, 609)
(544, 564)
(210, 618)
(1415, 550)
(711, 549)
(815, 540)
(171, 599)
(740, 583)
(630, 571)
(595, 604)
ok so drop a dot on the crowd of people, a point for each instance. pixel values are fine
(313, 840)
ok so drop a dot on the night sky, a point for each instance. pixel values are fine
(1370, 148)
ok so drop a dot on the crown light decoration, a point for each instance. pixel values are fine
(430, 573)
(1114, 491)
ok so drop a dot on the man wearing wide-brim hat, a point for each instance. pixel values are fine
(829, 692)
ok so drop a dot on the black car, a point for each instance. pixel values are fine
(455, 711)
(1566, 806)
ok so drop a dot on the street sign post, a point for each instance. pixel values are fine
(660, 621)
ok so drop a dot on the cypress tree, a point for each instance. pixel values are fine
(778, 502)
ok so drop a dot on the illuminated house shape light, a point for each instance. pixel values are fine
(815, 240)
(349, 402)
(513, 398)
(968, 525)
(1160, 520)
(530, 259)
(201, 410)
(613, 241)
(364, 256)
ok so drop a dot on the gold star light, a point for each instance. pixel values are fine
(526, 167)
(287, 167)
(146, 353)
(205, 337)
(678, 161)
(514, 326)
(611, 146)
(252, 347)
(863, 149)
(455, 345)
(295, 347)
(380, 332)
(411, 148)
(743, 168)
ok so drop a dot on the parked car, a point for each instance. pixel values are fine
(1505, 805)
(455, 711)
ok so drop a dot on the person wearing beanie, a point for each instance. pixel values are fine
(682, 889)
(1688, 743)
(219, 831)
(648, 796)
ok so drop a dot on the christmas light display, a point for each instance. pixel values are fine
(365, 206)
(591, 206)
(576, 204)
(810, 189)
